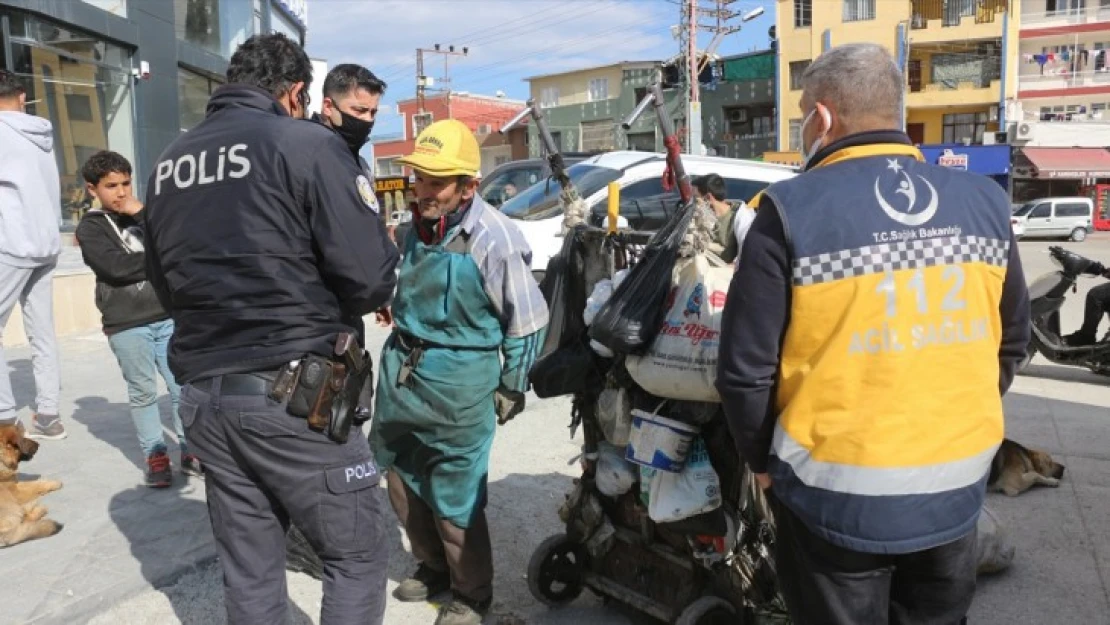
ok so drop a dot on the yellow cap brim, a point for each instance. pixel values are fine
(435, 166)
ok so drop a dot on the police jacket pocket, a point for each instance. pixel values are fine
(351, 509)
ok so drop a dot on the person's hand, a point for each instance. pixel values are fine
(763, 480)
(508, 404)
(130, 206)
(384, 317)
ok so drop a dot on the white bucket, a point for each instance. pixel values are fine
(659, 442)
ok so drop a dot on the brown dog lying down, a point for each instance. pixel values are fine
(21, 518)
(1016, 469)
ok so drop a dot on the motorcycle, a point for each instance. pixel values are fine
(1046, 297)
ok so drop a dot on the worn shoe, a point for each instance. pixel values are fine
(47, 427)
(462, 611)
(190, 465)
(425, 582)
(158, 471)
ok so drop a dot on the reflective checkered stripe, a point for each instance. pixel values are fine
(914, 254)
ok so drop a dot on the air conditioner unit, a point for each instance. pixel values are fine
(1025, 131)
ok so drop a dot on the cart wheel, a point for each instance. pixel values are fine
(710, 611)
(555, 571)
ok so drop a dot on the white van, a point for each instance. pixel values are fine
(644, 205)
(1055, 217)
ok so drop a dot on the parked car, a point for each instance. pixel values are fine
(1055, 217)
(521, 175)
(644, 204)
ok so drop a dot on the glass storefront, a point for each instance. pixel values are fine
(83, 85)
(218, 26)
(282, 23)
(193, 90)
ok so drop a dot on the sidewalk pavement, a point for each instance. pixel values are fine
(129, 554)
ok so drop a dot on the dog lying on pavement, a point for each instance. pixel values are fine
(1016, 469)
(21, 517)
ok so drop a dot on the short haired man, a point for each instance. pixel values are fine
(352, 95)
(260, 244)
(877, 317)
(30, 198)
(733, 218)
(469, 322)
(137, 325)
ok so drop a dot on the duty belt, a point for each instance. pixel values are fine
(257, 383)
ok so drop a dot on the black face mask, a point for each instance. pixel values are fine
(353, 130)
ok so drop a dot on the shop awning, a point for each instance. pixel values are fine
(1069, 162)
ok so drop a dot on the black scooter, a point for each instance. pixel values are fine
(1046, 296)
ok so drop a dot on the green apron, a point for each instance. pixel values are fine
(436, 431)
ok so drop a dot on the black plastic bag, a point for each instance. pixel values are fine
(566, 364)
(630, 320)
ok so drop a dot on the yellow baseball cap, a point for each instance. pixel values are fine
(445, 148)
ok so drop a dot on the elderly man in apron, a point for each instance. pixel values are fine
(469, 321)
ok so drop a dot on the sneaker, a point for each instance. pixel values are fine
(462, 611)
(1078, 339)
(158, 472)
(190, 465)
(425, 582)
(47, 427)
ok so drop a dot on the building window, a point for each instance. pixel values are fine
(795, 135)
(959, 127)
(599, 89)
(193, 91)
(803, 13)
(750, 122)
(218, 26)
(388, 167)
(641, 141)
(549, 97)
(420, 121)
(83, 86)
(115, 7)
(797, 68)
(859, 10)
(598, 135)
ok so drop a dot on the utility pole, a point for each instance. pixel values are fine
(422, 81)
(691, 25)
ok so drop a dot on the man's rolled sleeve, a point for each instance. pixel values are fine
(357, 259)
(1014, 312)
(752, 328)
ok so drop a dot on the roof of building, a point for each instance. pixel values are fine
(621, 64)
(469, 96)
(747, 54)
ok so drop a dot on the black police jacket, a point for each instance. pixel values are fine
(260, 239)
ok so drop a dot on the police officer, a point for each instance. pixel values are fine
(352, 94)
(259, 238)
(877, 317)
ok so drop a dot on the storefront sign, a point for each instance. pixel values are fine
(953, 160)
(384, 185)
(297, 9)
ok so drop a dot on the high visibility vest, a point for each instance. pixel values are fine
(888, 397)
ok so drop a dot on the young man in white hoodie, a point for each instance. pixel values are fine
(29, 247)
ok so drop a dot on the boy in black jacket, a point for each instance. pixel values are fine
(137, 326)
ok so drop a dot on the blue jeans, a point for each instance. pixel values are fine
(141, 353)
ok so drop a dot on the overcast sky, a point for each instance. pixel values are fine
(508, 40)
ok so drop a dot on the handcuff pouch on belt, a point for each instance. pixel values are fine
(326, 391)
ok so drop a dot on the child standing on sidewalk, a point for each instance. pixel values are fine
(137, 325)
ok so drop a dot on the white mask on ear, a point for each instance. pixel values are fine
(818, 143)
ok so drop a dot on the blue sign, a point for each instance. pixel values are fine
(988, 160)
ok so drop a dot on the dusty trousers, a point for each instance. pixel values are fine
(825, 584)
(442, 545)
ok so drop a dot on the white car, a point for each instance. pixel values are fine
(1055, 217)
(644, 205)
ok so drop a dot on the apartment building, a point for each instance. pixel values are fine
(953, 53)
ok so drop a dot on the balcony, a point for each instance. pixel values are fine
(1072, 80)
(1064, 18)
(948, 20)
(966, 93)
